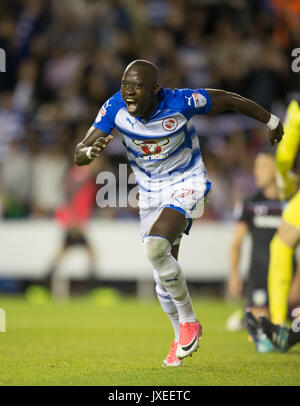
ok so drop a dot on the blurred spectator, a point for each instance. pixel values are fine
(15, 174)
(24, 90)
(11, 122)
(64, 59)
(48, 170)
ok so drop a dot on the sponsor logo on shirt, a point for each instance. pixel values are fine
(132, 123)
(152, 148)
(189, 100)
(263, 221)
(170, 124)
(199, 100)
(102, 111)
(183, 192)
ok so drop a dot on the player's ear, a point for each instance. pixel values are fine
(156, 88)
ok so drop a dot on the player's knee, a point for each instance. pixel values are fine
(288, 234)
(158, 251)
(156, 248)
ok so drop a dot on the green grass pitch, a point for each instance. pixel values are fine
(80, 343)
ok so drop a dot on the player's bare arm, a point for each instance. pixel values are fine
(222, 100)
(235, 283)
(91, 146)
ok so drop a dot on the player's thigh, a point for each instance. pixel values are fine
(289, 229)
(169, 224)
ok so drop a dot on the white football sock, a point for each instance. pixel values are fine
(185, 309)
(174, 318)
(167, 305)
(178, 311)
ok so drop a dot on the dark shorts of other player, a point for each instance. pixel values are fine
(257, 288)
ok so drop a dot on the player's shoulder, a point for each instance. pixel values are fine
(105, 119)
(256, 197)
(247, 204)
(185, 98)
(111, 107)
(115, 102)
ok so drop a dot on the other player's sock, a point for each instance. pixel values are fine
(279, 279)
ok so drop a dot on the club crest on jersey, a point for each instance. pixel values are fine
(169, 124)
(152, 148)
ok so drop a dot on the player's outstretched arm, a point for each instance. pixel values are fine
(91, 146)
(222, 100)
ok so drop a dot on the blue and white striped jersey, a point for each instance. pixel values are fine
(166, 142)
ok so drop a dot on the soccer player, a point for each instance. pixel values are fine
(288, 235)
(163, 150)
(259, 216)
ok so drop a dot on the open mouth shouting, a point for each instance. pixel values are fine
(132, 105)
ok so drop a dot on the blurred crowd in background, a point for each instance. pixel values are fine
(65, 58)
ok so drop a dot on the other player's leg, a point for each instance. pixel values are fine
(282, 337)
(261, 341)
(158, 246)
(281, 260)
(257, 301)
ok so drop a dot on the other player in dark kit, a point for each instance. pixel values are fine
(260, 216)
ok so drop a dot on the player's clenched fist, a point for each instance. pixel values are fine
(276, 134)
(99, 145)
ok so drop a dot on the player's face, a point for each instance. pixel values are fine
(264, 170)
(137, 92)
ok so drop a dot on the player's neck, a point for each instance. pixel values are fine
(271, 191)
(152, 108)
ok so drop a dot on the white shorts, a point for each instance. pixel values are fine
(184, 193)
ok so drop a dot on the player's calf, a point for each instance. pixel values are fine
(158, 251)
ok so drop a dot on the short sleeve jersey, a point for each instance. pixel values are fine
(166, 142)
